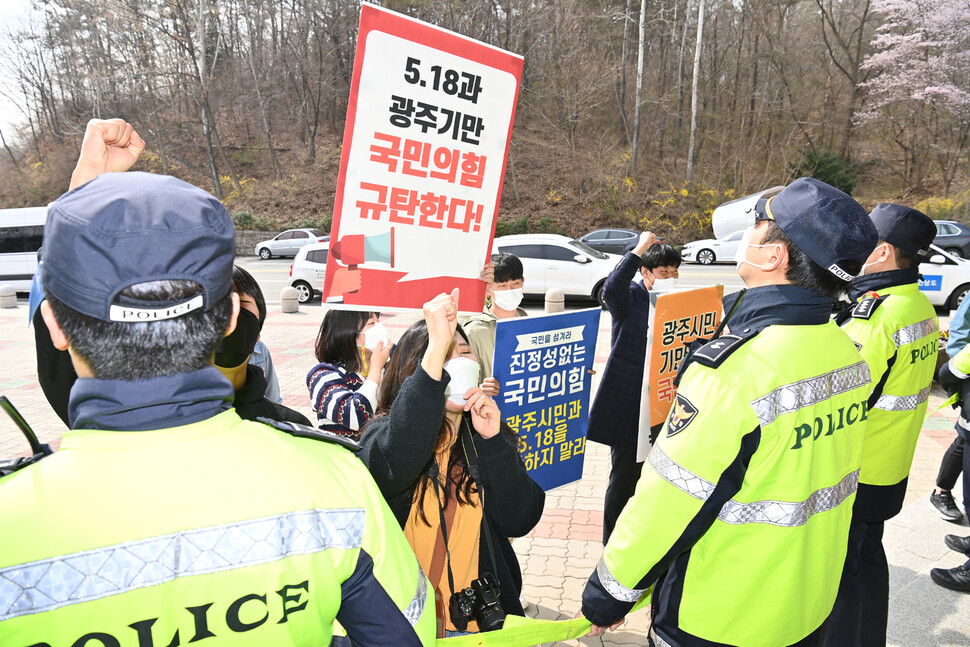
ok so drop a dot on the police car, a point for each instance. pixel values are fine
(945, 278)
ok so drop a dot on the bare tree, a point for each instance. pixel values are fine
(694, 88)
(639, 96)
(845, 35)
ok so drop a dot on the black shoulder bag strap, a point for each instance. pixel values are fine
(471, 458)
(441, 518)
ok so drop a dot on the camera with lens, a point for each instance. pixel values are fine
(479, 602)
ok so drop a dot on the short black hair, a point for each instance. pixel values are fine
(508, 267)
(660, 255)
(337, 339)
(804, 272)
(244, 283)
(116, 350)
(904, 259)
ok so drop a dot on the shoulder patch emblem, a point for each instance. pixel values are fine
(715, 352)
(857, 345)
(681, 414)
(867, 306)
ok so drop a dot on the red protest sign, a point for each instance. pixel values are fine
(423, 161)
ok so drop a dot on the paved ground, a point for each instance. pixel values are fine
(559, 554)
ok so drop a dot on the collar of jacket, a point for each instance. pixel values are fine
(145, 405)
(881, 280)
(786, 305)
(254, 390)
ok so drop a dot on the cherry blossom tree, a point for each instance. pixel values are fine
(919, 83)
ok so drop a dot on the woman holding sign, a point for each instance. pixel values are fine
(451, 472)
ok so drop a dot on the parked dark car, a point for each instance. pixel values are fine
(953, 237)
(611, 241)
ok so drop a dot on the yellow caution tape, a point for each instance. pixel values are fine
(950, 402)
(523, 632)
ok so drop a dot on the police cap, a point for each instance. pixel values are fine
(121, 229)
(904, 227)
(825, 223)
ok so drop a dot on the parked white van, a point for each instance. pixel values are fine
(21, 235)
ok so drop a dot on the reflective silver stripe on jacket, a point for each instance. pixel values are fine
(416, 608)
(956, 372)
(93, 574)
(902, 402)
(677, 476)
(777, 513)
(805, 393)
(784, 513)
(657, 640)
(613, 586)
(916, 331)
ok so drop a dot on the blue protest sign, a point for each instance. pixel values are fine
(543, 364)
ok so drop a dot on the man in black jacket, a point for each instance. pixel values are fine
(232, 359)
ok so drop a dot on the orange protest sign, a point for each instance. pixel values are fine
(677, 319)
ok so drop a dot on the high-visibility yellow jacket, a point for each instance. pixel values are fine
(223, 530)
(742, 513)
(898, 334)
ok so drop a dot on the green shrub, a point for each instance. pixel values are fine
(245, 156)
(313, 223)
(519, 226)
(262, 223)
(243, 219)
(830, 168)
(547, 226)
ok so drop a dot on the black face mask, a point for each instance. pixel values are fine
(239, 345)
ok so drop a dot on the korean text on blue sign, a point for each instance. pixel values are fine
(931, 283)
(543, 364)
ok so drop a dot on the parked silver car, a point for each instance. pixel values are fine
(289, 242)
(611, 241)
(954, 237)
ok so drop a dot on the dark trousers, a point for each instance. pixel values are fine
(624, 474)
(861, 610)
(951, 465)
(966, 479)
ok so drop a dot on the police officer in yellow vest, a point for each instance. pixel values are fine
(895, 327)
(741, 518)
(165, 519)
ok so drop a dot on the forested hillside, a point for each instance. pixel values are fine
(631, 113)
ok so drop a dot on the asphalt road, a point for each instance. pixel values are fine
(273, 275)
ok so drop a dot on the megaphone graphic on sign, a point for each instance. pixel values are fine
(356, 249)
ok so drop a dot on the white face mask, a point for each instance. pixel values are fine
(663, 285)
(741, 254)
(464, 375)
(507, 299)
(865, 265)
(374, 335)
